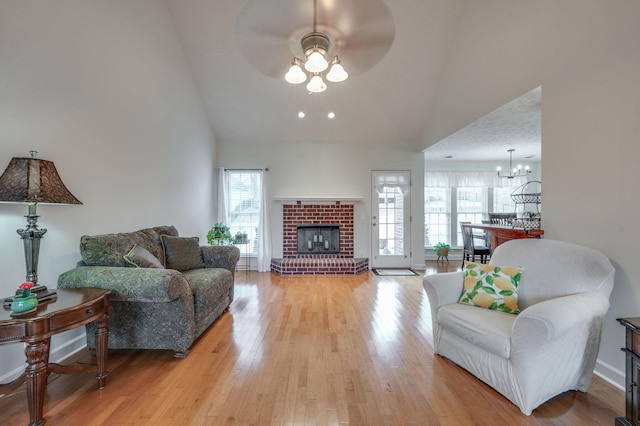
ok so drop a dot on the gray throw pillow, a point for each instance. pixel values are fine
(140, 257)
(181, 253)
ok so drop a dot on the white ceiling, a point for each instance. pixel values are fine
(516, 125)
(383, 103)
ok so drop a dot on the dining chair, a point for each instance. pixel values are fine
(470, 249)
(502, 218)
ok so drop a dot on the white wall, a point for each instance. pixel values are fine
(103, 90)
(585, 56)
(330, 170)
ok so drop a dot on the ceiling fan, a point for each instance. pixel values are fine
(269, 32)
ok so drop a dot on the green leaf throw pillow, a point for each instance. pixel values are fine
(491, 286)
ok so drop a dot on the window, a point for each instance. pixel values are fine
(471, 204)
(437, 215)
(244, 189)
(445, 208)
(390, 222)
(502, 202)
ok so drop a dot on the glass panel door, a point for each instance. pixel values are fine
(390, 219)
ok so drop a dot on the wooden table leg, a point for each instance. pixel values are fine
(36, 377)
(102, 344)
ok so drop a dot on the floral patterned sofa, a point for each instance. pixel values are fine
(166, 289)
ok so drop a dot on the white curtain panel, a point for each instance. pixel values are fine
(470, 179)
(264, 239)
(223, 187)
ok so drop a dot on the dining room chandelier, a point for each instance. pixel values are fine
(514, 172)
(315, 46)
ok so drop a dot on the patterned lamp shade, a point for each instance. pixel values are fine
(31, 180)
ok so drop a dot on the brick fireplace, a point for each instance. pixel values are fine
(296, 213)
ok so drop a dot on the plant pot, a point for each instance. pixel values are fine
(24, 304)
(443, 252)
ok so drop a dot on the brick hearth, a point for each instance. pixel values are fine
(302, 266)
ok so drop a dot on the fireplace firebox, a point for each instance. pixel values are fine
(318, 239)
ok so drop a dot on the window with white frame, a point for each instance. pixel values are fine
(471, 203)
(437, 215)
(453, 196)
(244, 189)
(502, 202)
(445, 208)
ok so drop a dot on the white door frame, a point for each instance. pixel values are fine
(390, 236)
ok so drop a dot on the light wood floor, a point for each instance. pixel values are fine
(305, 350)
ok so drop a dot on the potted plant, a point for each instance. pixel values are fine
(241, 238)
(219, 235)
(442, 250)
(24, 302)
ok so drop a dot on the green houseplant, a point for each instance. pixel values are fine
(219, 235)
(442, 249)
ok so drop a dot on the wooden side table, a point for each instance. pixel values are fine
(71, 309)
(632, 372)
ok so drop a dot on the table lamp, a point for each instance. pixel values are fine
(33, 181)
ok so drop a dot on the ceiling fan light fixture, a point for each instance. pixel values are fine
(315, 46)
(316, 84)
(316, 62)
(295, 75)
(337, 73)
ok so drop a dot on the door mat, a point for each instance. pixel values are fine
(392, 272)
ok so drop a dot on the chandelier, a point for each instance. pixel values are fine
(315, 46)
(513, 171)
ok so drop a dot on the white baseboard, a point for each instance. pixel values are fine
(452, 257)
(68, 348)
(610, 374)
(12, 375)
(57, 354)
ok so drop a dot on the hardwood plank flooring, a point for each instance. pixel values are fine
(305, 350)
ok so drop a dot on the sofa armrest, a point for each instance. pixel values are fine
(552, 319)
(221, 257)
(129, 284)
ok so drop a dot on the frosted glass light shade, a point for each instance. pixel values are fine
(316, 84)
(316, 62)
(337, 73)
(295, 75)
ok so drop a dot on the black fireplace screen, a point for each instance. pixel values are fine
(318, 239)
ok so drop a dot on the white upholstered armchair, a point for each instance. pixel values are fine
(552, 345)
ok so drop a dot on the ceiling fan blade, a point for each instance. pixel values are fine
(268, 33)
(271, 54)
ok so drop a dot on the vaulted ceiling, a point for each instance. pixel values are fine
(234, 49)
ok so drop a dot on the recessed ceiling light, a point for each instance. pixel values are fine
(301, 114)
(331, 115)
